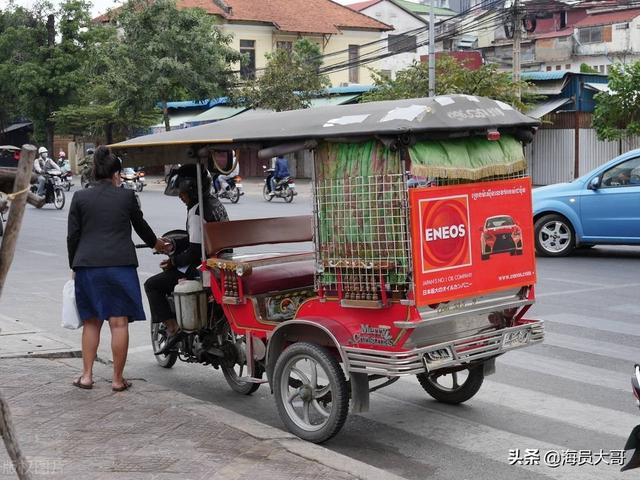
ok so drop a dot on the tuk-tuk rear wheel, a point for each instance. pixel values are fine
(316, 406)
(457, 392)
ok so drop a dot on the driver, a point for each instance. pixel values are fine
(41, 166)
(183, 183)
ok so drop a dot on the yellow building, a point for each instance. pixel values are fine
(261, 26)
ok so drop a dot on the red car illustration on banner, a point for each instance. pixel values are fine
(500, 234)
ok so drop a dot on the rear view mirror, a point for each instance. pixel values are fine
(594, 184)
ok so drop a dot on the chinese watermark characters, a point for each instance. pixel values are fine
(569, 458)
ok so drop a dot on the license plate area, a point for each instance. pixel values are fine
(515, 339)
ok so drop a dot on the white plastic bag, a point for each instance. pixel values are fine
(70, 315)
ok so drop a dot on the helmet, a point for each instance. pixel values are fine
(184, 180)
(62, 154)
(90, 151)
(42, 150)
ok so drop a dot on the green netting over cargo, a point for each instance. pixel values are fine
(360, 198)
(471, 158)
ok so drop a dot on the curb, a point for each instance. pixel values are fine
(295, 445)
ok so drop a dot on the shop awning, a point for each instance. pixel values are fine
(541, 109)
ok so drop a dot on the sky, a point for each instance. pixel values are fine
(101, 6)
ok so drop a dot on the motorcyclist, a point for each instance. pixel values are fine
(183, 183)
(42, 165)
(222, 180)
(281, 171)
(63, 162)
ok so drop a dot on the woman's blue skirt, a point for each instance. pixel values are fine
(105, 292)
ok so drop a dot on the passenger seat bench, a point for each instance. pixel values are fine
(255, 274)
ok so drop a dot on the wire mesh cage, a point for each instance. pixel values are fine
(362, 238)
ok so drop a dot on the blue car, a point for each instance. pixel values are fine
(599, 208)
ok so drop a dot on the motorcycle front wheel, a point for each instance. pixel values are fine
(139, 187)
(67, 187)
(58, 198)
(158, 339)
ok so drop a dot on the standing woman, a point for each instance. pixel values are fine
(103, 258)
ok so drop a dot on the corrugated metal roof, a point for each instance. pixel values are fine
(333, 100)
(608, 18)
(219, 112)
(541, 109)
(422, 9)
(599, 87)
(552, 75)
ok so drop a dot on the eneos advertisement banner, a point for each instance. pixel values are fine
(471, 239)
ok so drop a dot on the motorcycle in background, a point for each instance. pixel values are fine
(633, 442)
(229, 188)
(283, 188)
(53, 188)
(140, 184)
(129, 178)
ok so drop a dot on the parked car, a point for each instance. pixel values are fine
(9, 156)
(500, 234)
(599, 208)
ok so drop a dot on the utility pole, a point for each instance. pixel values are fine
(517, 38)
(432, 51)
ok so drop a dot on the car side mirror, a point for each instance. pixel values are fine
(594, 184)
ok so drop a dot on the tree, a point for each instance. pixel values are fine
(617, 113)
(452, 77)
(20, 36)
(289, 81)
(584, 68)
(50, 79)
(166, 53)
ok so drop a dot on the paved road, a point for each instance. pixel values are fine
(572, 392)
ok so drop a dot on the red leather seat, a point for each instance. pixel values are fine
(283, 276)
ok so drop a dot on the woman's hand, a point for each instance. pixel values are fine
(162, 245)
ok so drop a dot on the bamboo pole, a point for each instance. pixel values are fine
(7, 250)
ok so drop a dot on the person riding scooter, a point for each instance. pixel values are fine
(280, 172)
(183, 183)
(41, 166)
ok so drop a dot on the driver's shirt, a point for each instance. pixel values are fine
(194, 229)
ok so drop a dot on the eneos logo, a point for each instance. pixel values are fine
(444, 233)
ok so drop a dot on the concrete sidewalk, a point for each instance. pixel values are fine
(148, 432)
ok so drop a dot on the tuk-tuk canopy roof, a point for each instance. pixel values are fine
(446, 113)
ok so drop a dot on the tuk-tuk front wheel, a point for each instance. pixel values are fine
(452, 387)
(311, 392)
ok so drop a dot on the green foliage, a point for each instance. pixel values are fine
(169, 54)
(451, 77)
(584, 68)
(41, 51)
(289, 81)
(617, 113)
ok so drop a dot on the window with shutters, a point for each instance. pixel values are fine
(590, 35)
(248, 64)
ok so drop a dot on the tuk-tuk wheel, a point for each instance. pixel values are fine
(453, 388)
(158, 338)
(234, 372)
(311, 392)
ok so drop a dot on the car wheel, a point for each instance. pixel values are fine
(554, 236)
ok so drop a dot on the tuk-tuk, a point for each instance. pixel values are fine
(422, 262)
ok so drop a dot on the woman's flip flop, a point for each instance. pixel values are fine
(125, 386)
(78, 383)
